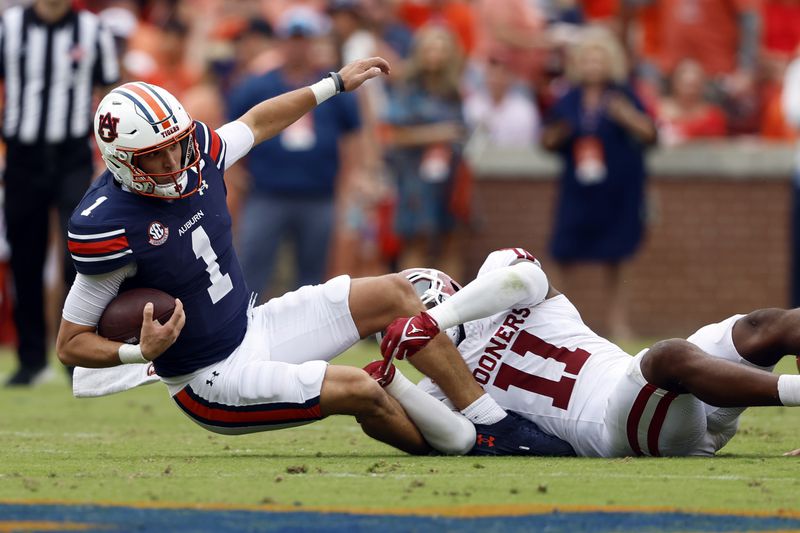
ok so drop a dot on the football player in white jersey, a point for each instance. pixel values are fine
(526, 344)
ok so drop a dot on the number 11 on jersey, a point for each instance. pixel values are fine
(220, 284)
(560, 391)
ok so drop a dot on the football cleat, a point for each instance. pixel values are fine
(516, 435)
(380, 373)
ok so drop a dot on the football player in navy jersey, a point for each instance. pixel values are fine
(157, 218)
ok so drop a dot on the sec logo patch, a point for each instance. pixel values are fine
(157, 233)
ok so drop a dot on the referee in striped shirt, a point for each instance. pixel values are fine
(51, 58)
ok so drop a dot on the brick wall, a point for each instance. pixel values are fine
(714, 247)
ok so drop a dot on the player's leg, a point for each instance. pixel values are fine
(350, 391)
(375, 302)
(726, 365)
(765, 336)
(643, 419)
(681, 367)
(320, 322)
(447, 431)
(452, 433)
(315, 323)
(247, 393)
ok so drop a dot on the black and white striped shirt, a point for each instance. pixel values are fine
(49, 72)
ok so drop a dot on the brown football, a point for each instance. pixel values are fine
(122, 318)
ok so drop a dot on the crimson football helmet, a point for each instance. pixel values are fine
(136, 119)
(434, 287)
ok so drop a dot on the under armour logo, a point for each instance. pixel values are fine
(210, 382)
(203, 186)
(488, 441)
(413, 329)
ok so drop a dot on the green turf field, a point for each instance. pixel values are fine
(138, 447)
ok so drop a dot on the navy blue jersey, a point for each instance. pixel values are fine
(183, 247)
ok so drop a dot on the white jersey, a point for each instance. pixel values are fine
(543, 362)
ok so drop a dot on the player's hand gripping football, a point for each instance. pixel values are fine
(355, 73)
(406, 336)
(155, 337)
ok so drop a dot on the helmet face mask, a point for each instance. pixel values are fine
(432, 286)
(167, 184)
(137, 119)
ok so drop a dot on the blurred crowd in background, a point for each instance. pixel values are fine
(380, 182)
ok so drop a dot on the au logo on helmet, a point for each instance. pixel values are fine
(107, 122)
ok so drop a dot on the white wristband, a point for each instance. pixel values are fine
(324, 89)
(131, 353)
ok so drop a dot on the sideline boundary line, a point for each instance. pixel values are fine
(465, 511)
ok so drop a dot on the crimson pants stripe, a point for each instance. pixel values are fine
(217, 414)
(635, 417)
(657, 423)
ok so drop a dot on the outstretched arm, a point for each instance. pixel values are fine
(270, 117)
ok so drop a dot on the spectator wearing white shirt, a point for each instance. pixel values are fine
(501, 114)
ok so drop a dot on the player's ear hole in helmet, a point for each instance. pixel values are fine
(434, 287)
(137, 120)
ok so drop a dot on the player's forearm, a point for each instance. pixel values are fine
(87, 349)
(272, 116)
(493, 293)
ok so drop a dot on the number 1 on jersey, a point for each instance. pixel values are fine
(201, 245)
(88, 211)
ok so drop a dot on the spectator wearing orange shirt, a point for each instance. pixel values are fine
(686, 114)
